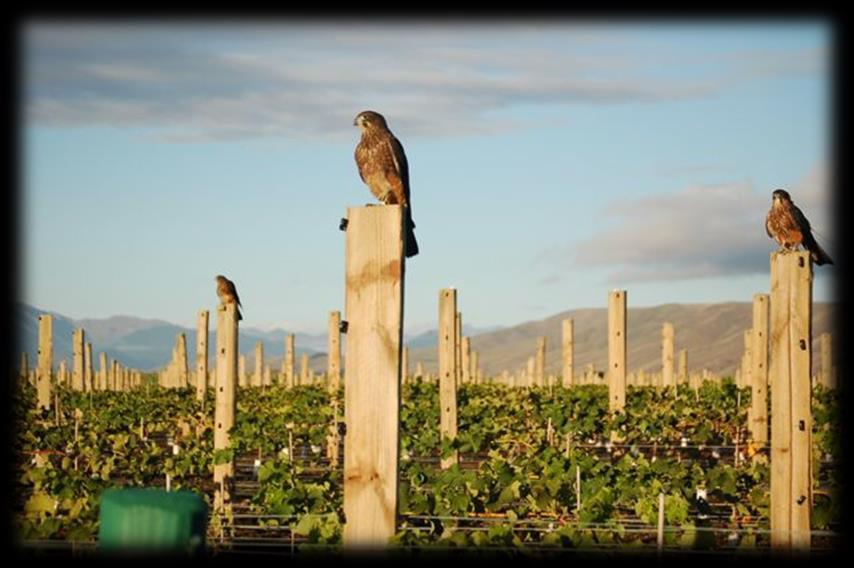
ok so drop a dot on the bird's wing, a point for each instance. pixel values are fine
(768, 224)
(361, 160)
(233, 291)
(801, 220)
(400, 163)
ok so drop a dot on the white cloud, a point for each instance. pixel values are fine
(219, 81)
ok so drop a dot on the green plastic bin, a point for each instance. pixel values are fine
(152, 520)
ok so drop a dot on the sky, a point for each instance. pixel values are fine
(550, 161)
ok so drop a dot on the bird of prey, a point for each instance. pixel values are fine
(786, 224)
(384, 169)
(227, 293)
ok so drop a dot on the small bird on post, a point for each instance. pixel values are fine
(227, 293)
(384, 169)
(787, 225)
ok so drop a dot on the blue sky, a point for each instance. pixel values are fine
(550, 162)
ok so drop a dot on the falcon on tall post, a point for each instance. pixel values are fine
(786, 224)
(227, 293)
(383, 167)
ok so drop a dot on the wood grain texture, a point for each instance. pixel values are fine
(374, 312)
(448, 369)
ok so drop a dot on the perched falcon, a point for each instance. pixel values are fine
(228, 293)
(787, 225)
(383, 167)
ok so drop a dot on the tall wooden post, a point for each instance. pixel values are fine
(475, 368)
(258, 374)
(62, 374)
(333, 359)
(115, 381)
(87, 368)
(374, 312)
(241, 371)
(758, 372)
(226, 390)
(24, 368)
(458, 348)
(567, 347)
(304, 370)
(448, 370)
(183, 371)
(683, 366)
(531, 372)
(290, 358)
(78, 347)
(616, 350)
(667, 339)
(540, 369)
(465, 360)
(826, 370)
(202, 355)
(791, 416)
(102, 371)
(419, 369)
(44, 371)
(747, 359)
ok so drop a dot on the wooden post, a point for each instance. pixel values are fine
(62, 374)
(826, 370)
(241, 371)
(448, 370)
(78, 347)
(258, 374)
(183, 371)
(475, 368)
(202, 355)
(747, 360)
(115, 383)
(530, 372)
(267, 379)
(226, 375)
(24, 368)
(758, 371)
(374, 312)
(333, 359)
(290, 357)
(667, 339)
(419, 369)
(87, 368)
(458, 348)
(45, 362)
(540, 369)
(683, 366)
(616, 350)
(304, 370)
(465, 360)
(791, 419)
(566, 348)
(102, 371)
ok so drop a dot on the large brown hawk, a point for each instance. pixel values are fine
(384, 169)
(228, 293)
(786, 224)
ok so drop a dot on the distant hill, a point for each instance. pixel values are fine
(712, 334)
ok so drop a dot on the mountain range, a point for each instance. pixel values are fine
(711, 333)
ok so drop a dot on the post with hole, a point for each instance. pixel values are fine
(226, 388)
(448, 370)
(374, 312)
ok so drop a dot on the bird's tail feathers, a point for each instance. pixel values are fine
(411, 243)
(818, 254)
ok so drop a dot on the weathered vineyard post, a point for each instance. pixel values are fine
(758, 372)
(304, 370)
(567, 346)
(78, 343)
(290, 357)
(202, 355)
(258, 373)
(241, 371)
(448, 370)
(465, 360)
(87, 369)
(374, 313)
(540, 365)
(333, 360)
(683, 366)
(667, 339)
(747, 358)
(791, 417)
(102, 371)
(616, 350)
(226, 389)
(458, 347)
(475, 368)
(419, 370)
(183, 373)
(45, 362)
(24, 368)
